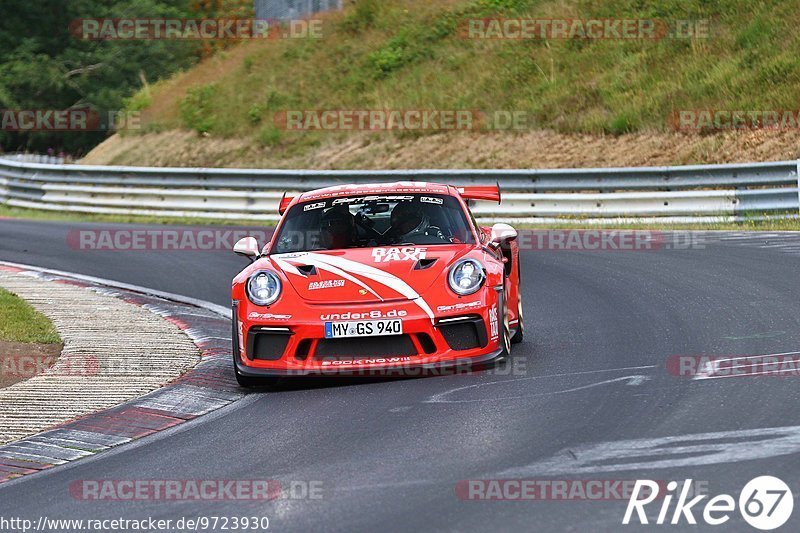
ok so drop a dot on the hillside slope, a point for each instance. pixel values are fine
(587, 102)
(542, 149)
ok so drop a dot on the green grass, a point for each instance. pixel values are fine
(19, 322)
(408, 54)
(766, 225)
(33, 214)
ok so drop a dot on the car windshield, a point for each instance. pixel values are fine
(368, 221)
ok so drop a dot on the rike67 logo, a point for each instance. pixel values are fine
(766, 503)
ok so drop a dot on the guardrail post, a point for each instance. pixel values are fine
(798, 185)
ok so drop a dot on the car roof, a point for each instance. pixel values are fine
(399, 187)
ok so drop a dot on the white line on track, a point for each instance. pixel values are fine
(214, 308)
(631, 379)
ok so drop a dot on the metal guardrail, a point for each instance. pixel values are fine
(292, 9)
(35, 158)
(680, 194)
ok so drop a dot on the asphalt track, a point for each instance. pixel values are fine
(390, 454)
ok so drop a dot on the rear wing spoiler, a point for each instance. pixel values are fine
(286, 201)
(489, 193)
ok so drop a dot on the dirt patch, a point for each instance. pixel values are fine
(20, 361)
(536, 149)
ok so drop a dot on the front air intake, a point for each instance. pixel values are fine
(267, 344)
(464, 333)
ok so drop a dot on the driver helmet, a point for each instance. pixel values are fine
(337, 228)
(407, 219)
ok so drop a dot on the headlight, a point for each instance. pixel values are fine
(264, 288)
(466, 277)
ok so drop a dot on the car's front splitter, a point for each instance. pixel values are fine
(450, 366)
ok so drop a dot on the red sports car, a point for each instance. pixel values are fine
(385, 279)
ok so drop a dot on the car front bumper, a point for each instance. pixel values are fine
(435, 352)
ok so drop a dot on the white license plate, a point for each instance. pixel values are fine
(372, 328)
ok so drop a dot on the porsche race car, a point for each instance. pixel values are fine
(384, 279)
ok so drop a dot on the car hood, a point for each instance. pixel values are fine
(367, 274)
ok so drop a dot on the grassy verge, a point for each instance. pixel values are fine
(412, 54)
(19, 322)
(762, 225)
(33, 214)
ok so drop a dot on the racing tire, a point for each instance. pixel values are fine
(519, 335)
(505, 334)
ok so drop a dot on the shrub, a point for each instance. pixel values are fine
(362, 17)
(270, 136)
(196, 108)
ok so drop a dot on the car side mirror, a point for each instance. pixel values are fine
(502, 234)
(247, 247)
